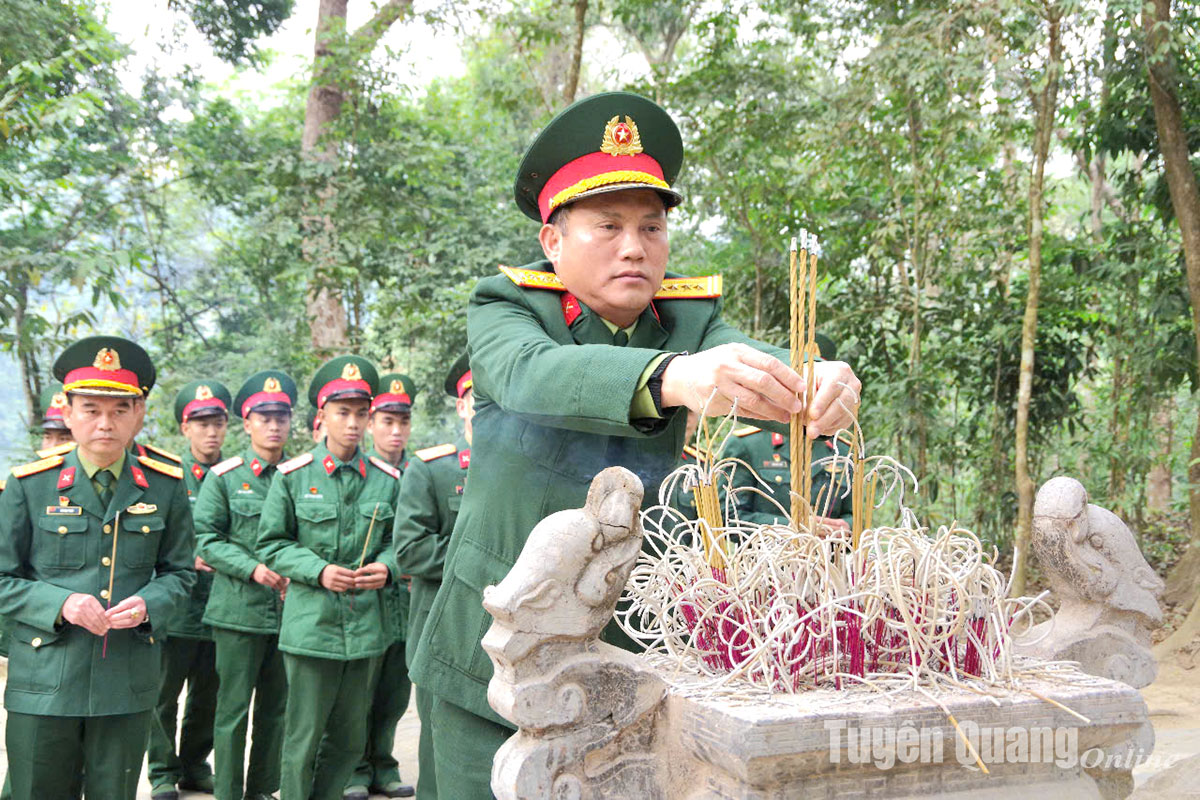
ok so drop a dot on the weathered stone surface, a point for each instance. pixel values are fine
(1108, 594)
(599, 723)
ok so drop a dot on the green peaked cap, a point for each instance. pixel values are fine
(343, 378)
(599, 144)
(269, 390)
(50, 409)
(396, 392)
(461, 366)
(106, 365)
(202, 399)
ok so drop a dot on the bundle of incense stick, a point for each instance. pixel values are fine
(802, 273)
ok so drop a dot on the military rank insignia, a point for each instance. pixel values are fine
(141, 508)
(63, 510)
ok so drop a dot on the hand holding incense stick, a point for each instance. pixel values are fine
(367, 543)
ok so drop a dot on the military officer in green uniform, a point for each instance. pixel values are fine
(325, 525)
(189, 655)
(95, 561)
(54, 430)
(430, 495)
(245, 601)
(378, 772)
(587, 359)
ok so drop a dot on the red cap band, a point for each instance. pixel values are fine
(258, 398)
(212, 402)
(94, 378)
(389, 399)
(464, 383)
(594, 170)
(341, 385)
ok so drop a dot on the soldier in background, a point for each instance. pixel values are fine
(189, 655)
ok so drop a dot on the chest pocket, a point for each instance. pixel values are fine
(316, 525)
(244, 514)
(63, 543)
(383, 513)
(140, 536)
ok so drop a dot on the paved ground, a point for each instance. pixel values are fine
(405, 749)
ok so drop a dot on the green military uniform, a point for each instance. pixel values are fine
(243, 614)
(768, 454)
(80, 704)
(554, 404)
(318, 512)
(378, 772)
(189, 655)
(430, 496)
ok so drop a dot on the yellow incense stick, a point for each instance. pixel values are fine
(798, 252)
(367, 543)
(112, 572)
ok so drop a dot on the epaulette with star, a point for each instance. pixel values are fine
(57, 450)
(431, 453)
(170, 470)
(167, 454)
(704, 286)
(293, 464)
(226, 465)
(746, 431)
(386, 467)
(34, 468)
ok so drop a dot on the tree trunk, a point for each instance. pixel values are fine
(324, 302)
(1158, 483)
(1046, 105)
(572, 84)
(1184, 579)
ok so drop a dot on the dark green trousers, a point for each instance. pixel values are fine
(378, 766)
(324, 736)
(50, 757)
(249, 666)
(192, 661)
(427, 788)
(463, 748)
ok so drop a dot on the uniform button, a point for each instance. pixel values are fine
(104, 593)
(106, 561)
(145, 529)
(108, 528)
(151, 640)
(779, 479)
(37, 642)
(62, 528)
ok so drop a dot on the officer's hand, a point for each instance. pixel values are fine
(371, 576)
(85, 611)
(836, 402)
(337, 579)
(129, 613)
(283, 592)
(835, 523)
(268, 577)
(764, 387)
(202, 565)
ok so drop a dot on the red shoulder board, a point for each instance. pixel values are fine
(386, 467)
(430, 453)
(571, 309)
(464, 458)
(139, 477)
(746, 431)
(291, 465)
(227, 464)
(37, 466)
(158, 466)
(776, 439)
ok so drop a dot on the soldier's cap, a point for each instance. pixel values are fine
(106, 366)
(343, 378)
(202, 399)
(458, 380)
(268, 391)
(52, 402)
(396, 393)
(603, 143)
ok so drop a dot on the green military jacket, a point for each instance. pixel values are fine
(768, 454)
(552, 409)
(396, 593)
(227, 514)
(189, 624)
(55, 540)
(317, 513)
(430, 496)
